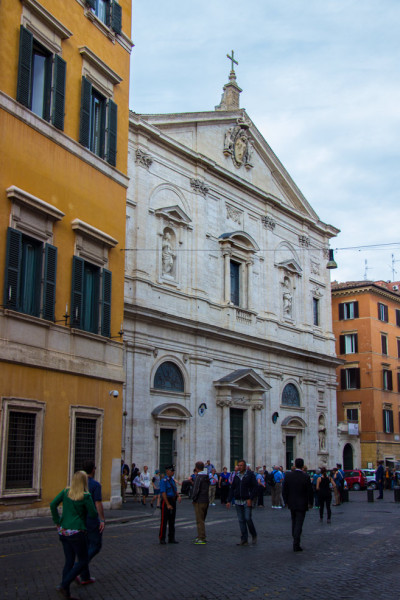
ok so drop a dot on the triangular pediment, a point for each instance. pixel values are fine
(290, 265)
(173, 213)
(243, 379)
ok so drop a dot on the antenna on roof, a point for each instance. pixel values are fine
(367, 268)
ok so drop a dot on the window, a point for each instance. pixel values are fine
(235, 282)
(86, 437)
(109, 12)
(383, 312)
(30, 275)
(91, 297)
(397, 317)
(316, 312)
(21, 447)
(348, 310)
(387, 382)
(290, 395)
(350, 378)
(352, 414)
(41, 80)
(169, 377)
(98, 125)
(348, 343)
(387, 421)
(384, 344)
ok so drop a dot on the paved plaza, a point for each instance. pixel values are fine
(356, 556)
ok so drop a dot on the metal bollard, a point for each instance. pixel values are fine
(396, 494)
(370, 494)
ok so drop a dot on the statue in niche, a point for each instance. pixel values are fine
(322, 434)
(228, 141)
(168, 255)
(287, 298)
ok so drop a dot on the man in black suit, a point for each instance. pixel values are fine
(298, 496)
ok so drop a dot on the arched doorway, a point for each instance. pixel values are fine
(348, 457)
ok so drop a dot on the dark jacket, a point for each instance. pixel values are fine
(243, 489)
(200, 488)
(379, 473)
(297, 490)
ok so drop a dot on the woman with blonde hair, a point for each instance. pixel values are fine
(71, 526)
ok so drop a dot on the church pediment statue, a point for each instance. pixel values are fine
(238, 144)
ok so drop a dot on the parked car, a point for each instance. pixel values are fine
(355, 479)
(370, 477)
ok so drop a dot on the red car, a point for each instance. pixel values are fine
(355, 480)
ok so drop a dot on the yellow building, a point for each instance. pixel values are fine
(64, 86)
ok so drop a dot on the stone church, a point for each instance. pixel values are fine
(227, 328)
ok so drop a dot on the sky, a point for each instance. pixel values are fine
(321, 82)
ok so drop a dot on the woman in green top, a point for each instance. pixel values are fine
(77, 504)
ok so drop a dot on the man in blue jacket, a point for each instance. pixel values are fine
(243, 490)
(379, 475)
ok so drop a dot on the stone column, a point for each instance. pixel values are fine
(250, 437)
(227, 275)
(249, 281)
(224, 404)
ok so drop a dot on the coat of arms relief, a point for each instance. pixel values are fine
(238, 145)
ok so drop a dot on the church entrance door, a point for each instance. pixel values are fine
(289, 452)
(236, 427)
(166, 448)
(348, 457)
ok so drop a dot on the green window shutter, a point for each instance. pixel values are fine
(25, 67)
(13, 269)
(116, 17)
(106, 304)
(86, 97)
(78, 266)
(60, 71)
(49, 289)
(112, 133)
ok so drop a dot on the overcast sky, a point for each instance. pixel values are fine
(320, 80)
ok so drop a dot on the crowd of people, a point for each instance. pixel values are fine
(81, 523)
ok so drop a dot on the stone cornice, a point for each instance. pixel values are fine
(158, 136)
(368, 288)
(147, 314)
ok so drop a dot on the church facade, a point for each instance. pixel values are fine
(228, 326)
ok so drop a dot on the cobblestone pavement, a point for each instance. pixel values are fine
(342, 560)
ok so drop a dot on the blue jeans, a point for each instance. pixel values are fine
(73, 546)
(245, 521)
(94, 539)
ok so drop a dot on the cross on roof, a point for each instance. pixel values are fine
(233, 61)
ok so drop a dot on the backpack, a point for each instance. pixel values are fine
(271, 479)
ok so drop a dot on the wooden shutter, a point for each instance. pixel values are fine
(384, 421)
(60, 71)
(358, 383)
(112, 133)
(91, 3)
(356, 342)
(25, 67)
(342, 344)
(356, 309)
(116, 17)
(343, 379)
(13, 269)
(341, 311)
(386, 313)
(86, 98)
(391, 421)
(78, 267)
(390, 380)
(49, 289)
(106, 304)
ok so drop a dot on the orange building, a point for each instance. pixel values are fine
(64, 88)
(366, 324)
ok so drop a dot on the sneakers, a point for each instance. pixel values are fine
(79, 580)
(242, 543)
(198, 542)
(212, 504)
